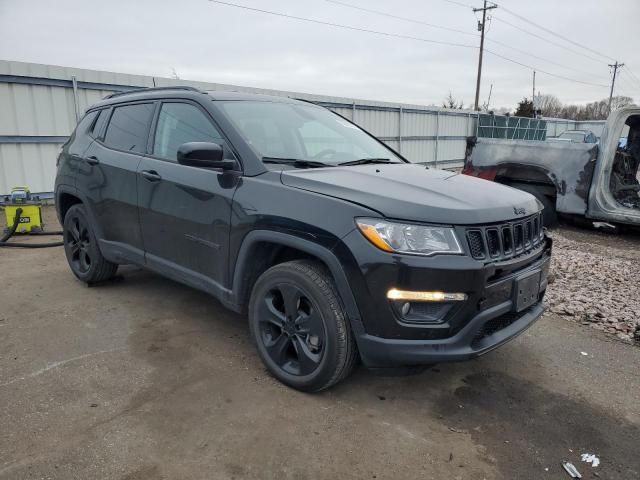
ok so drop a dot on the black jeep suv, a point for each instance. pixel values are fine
(334, 244)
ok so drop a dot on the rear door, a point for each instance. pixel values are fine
(185, 211)
(108, 178)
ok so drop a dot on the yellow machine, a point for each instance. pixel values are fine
(31, 215)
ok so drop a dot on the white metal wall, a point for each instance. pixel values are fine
(556, 126)
(39, 106)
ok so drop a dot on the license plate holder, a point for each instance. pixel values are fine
(526, 291)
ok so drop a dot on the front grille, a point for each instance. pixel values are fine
(507, 240)
(476, 244)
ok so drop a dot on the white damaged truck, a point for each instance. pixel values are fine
(596, 181)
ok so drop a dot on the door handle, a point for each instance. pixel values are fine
(151, 175)
(92, 160)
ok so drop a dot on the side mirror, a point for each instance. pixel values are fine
(203, 154)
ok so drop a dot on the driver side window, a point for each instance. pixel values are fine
(180, 123)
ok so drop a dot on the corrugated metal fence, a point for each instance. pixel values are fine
(40, 104)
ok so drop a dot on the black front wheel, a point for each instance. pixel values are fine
(81, 248)
(300, 327)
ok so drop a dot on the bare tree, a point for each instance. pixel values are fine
(549, 105)
(620, 101)
(598, 110)
(451, 102)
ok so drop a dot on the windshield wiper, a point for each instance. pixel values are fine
(296, 162)
(364, 161)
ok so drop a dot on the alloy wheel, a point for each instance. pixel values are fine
(291, 329)
(78, 242)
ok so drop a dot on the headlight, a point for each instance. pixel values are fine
(406, 238)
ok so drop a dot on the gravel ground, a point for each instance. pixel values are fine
(595, 280)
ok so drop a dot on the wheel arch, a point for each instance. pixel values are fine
(66, 197)
(262, 249)
(534, 176)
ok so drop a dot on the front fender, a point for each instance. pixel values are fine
(290, 240)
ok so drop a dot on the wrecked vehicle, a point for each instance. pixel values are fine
(594, 181)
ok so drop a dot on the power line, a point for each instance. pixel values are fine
(627, 85)
(629, 82)
(528, 32)
(631, 74)
(398, 17)
(393, 35)
(559, 45)
(460, 4)
(427, 24)
(566, 39)
(543, 71)
(338, 25)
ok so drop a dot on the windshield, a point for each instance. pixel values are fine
(573, 136)
(302, 132)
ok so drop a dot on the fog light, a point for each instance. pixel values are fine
(405, 308)
(395, 294)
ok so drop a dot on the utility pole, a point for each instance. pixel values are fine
(481, 28)
(615, 67)
(533, 97)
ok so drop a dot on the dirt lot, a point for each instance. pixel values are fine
(143, 378)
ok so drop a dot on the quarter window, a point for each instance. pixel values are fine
(180, 123)
(86, 122)
(127, 129)
(98, 125)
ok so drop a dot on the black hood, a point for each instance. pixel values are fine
(413, 192)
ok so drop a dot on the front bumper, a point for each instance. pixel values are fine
(490, 317)
(466, 344)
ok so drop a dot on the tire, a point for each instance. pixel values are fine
(300, 327)
(81, 248)
(549, 214)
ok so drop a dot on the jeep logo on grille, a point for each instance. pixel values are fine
(519, 211)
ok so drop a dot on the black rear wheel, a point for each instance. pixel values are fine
(299, 326)
(81, 248)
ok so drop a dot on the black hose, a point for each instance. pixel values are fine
(31, 245)
(14, 227)
(59, 232)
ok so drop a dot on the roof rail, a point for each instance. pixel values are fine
(152, 89)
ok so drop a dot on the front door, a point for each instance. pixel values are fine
(185, 211)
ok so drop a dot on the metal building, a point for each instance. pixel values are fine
(40, 104)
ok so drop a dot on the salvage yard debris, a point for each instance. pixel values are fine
(600, 289)
(571, 470)
(590, 458)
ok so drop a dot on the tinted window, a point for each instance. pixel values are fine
(86, 122)
(98, 125)
(127, 129)
(180, 123)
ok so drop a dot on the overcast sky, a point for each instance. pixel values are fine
(206, 41)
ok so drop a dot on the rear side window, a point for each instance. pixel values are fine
(127, 129)
(180, 123)
(98, 126)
